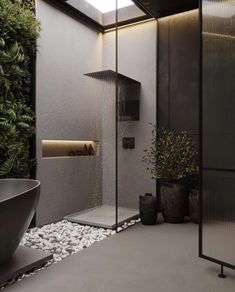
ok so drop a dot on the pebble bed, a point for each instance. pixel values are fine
(63, 239)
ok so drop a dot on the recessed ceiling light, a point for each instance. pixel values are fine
(105, 6)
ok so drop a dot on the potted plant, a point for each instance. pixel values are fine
(172, 158)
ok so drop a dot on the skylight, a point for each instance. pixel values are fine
(105, 6)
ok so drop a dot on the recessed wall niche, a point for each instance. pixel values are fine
(68, 148)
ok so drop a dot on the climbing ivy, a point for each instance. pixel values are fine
(18, 33)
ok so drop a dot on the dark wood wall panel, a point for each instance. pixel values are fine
(179, 72)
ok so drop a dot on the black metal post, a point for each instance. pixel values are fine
(222, 275)
(157, 103)
(116, 117)
(200, 131)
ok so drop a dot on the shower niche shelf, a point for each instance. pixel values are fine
(128, 93)
(69, 148)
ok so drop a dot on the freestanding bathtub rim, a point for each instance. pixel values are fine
(38, 183)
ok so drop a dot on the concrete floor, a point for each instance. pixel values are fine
(161, 258)
(103, 216)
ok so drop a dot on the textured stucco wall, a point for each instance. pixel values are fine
(67, 108)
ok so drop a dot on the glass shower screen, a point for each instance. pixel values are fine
(136, 108)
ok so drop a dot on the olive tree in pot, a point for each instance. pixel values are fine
(172, 158)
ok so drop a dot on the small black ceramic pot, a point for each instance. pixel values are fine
(194, 206)
(148, 209)
(174, 201)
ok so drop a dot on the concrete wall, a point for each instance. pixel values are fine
(67, 108)
(136, 59)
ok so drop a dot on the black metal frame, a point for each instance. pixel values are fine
(201, 168)
(116, 117)
(33, 106)
(157, 186)
(144, 9)
(78, 15)
(33, 144)
(32, 149)
(167, 12)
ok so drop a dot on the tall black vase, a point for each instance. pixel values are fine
(194, 206)
(148, 209)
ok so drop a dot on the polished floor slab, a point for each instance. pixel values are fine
(103, 216)
(161, 258)
(25, 259)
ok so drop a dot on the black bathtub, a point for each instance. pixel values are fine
(18, 202)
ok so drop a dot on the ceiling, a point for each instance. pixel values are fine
(161, 8)
(142, 10)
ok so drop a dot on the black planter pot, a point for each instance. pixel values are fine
(148, 209)
(174, 202)
(194, 206)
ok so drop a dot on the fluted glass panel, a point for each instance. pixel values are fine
(219, 215)
(218, 84)
(218, 135)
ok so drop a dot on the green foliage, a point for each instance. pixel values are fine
(18, 24)
(16, 126)
(170, 156)
(18, 33)
(14, 72)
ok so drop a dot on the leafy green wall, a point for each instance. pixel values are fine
(18, 34)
